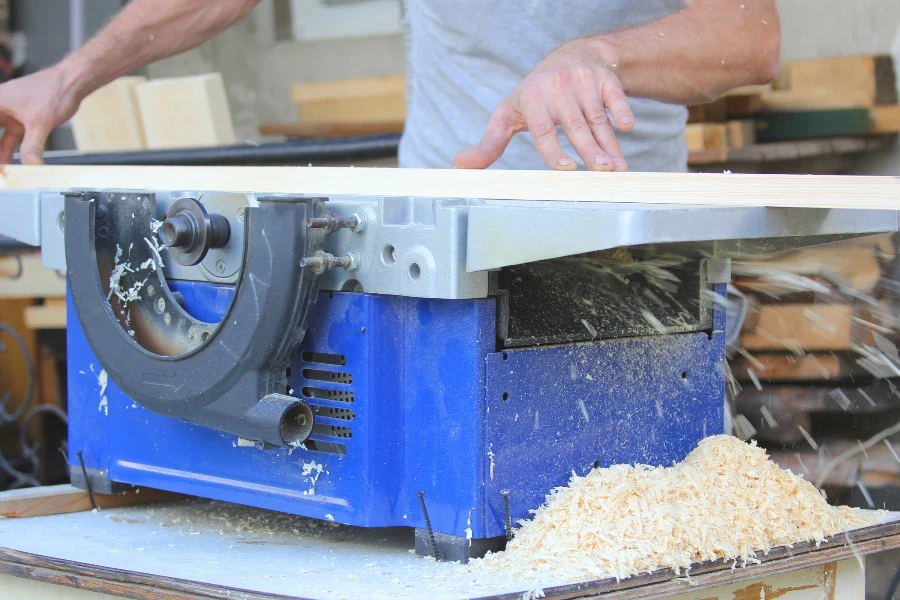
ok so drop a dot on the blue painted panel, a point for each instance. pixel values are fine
(88, 426)
(409, 397)
(365, 366)
(552, 411)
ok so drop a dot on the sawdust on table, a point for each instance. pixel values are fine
(727, 500)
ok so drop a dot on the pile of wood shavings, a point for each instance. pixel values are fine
(727, 500)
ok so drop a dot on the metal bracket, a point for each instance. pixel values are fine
(229, 376)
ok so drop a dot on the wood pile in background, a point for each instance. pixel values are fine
(345, 107)
(817, 364)
(814, 107)
(132, 114)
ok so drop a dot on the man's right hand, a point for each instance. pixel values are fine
(30, 107)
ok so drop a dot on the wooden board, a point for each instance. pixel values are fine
(109, 119)
(793, 327)
(186, 112)
(780, 367)
(34, 281)
(853, 266)
(870, 77)
(741, 133)
(885, 119)
(813, 99)
(61, 499)
(362, 100)
(50, 315)
(330, 129)
(801, 191)
(794, 150)
(705, 136)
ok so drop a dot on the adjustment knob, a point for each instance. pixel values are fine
(189, 231)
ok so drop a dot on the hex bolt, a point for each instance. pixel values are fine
(322, 261)
(361, 222)
(331, 222)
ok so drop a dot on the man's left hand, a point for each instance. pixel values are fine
(573, 87)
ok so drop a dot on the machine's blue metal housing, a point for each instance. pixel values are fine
(411, 395)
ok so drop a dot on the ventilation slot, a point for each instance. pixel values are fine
(333, 431)
(326, 447)
(329, 376)
(345, 414)
(324, 359)
(334, 395)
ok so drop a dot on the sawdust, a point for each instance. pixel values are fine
(726, 501)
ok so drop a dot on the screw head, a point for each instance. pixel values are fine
(240, 215)
(220, 266)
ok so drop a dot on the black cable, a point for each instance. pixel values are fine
(292, 152)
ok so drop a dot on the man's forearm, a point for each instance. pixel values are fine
(146, 31)
(698, 54)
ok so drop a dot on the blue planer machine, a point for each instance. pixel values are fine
(434, 363)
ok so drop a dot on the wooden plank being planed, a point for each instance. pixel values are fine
(60, 499)
(690, 189)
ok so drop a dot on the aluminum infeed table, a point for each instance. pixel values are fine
(393, 359)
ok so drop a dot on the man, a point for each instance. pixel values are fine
(490, 69)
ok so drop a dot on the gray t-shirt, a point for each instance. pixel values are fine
(465, 56)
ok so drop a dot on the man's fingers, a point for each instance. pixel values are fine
(8, 146)
(581, 136)
(543, 132)
(500, 130)
(615, 100)
(31, 152)
(601, 127)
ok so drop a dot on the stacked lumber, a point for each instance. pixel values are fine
(132, 114)
(817, 365)
(345, 107)
(817, 103)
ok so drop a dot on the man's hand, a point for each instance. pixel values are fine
(573, 87)
(144, 31)
(30, 107)
(690, 57)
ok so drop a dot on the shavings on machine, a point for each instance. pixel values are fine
(726, 501)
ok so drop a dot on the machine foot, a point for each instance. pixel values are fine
(100, 481)
(453, 548)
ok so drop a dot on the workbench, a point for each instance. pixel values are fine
(193, 548)
(362, 342)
